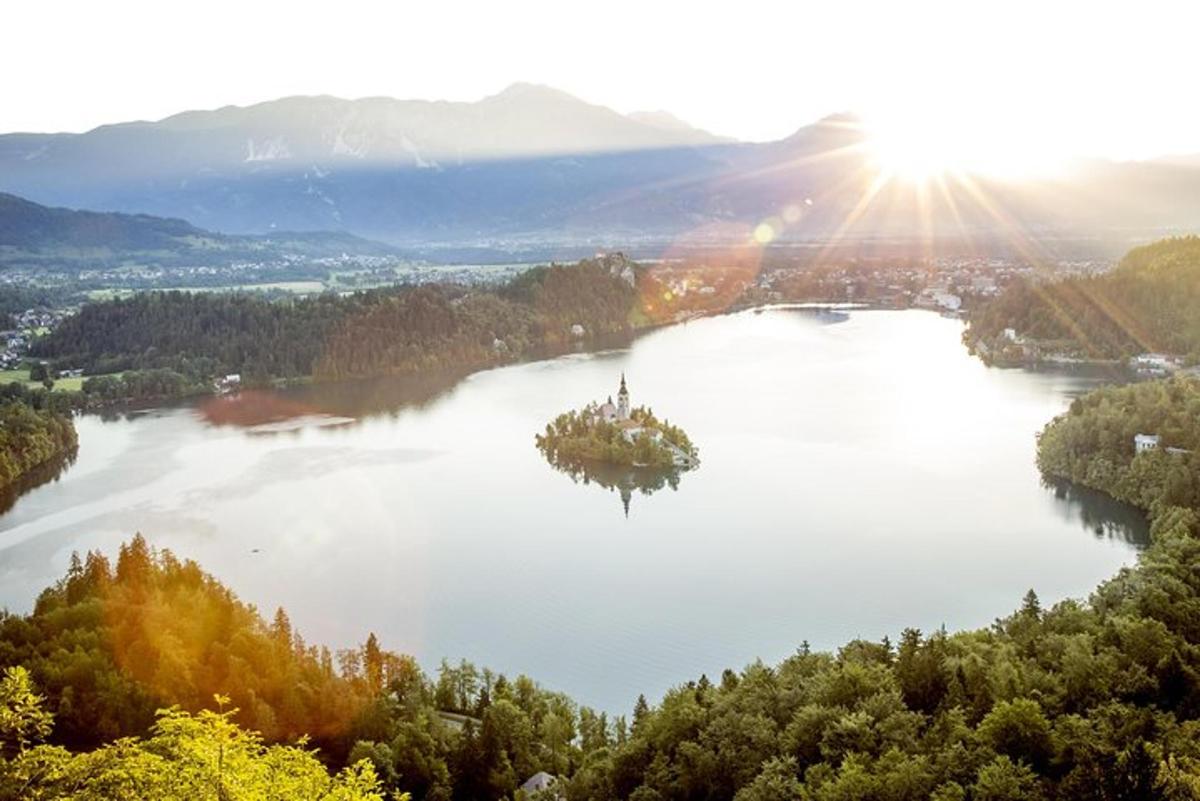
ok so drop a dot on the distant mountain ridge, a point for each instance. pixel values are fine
(533, 163)
(34, 235)
(524, 120)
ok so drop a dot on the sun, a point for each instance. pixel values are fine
(922, 147)
(908, 155)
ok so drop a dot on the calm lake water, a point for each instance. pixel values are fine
(860, 473)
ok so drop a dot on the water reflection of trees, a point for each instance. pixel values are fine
(32, 479)
(361, 399)
(824, 315)
(625, 481)
(1101, 514)
(351, 401)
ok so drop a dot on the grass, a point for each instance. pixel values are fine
(108, 294)
(18, 376)
(295, 287)
(22, 377)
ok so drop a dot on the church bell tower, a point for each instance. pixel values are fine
(623, 400)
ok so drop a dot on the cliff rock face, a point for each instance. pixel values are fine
(619, 266)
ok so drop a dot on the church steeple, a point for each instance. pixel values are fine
(623, 400)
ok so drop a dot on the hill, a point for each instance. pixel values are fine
(1146, 304)
(1093, 443)
(33, 235)
(397, 331)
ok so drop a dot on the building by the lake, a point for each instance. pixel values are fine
(619, 415)
(1145, 442)
(620, 412)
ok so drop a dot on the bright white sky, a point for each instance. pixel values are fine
(1043, 79)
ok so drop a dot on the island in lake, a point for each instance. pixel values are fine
(618, 447)
(616, 434)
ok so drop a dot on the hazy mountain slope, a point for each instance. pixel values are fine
(666, 121)
(28, 225)
(34, 235)
(1147, 303)
(522, 121)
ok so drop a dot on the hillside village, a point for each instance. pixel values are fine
(22, 329)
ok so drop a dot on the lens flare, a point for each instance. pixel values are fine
(764, 233)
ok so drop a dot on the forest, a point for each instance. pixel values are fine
(34, 430)
(394, 331)
(1092, 443)
(183, 758)
(110, 645)
(1147, 304)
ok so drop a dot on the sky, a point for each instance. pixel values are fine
(1048, 79)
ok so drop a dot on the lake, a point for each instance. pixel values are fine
(860, 473)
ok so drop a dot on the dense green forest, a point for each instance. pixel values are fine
(1146, 304)
(109, 645)
(1092, 444)
(33, 431)
(183, 758)
(198, 336)
(148, 384)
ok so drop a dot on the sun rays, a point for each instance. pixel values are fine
(849, 187)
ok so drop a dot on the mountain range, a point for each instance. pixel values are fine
(33, 235)
(534, 163)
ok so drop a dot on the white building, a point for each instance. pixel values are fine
(229, 383)
(1154, 363)
(541, 785)
(1145, 442)
(619, 413)
(948, 301)
(632, 432)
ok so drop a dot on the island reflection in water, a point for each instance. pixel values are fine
(625, 481)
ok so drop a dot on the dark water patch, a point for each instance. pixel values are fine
(1103, 515)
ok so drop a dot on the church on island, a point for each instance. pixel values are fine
(618, 445)
(620, 416)
(608, 413)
